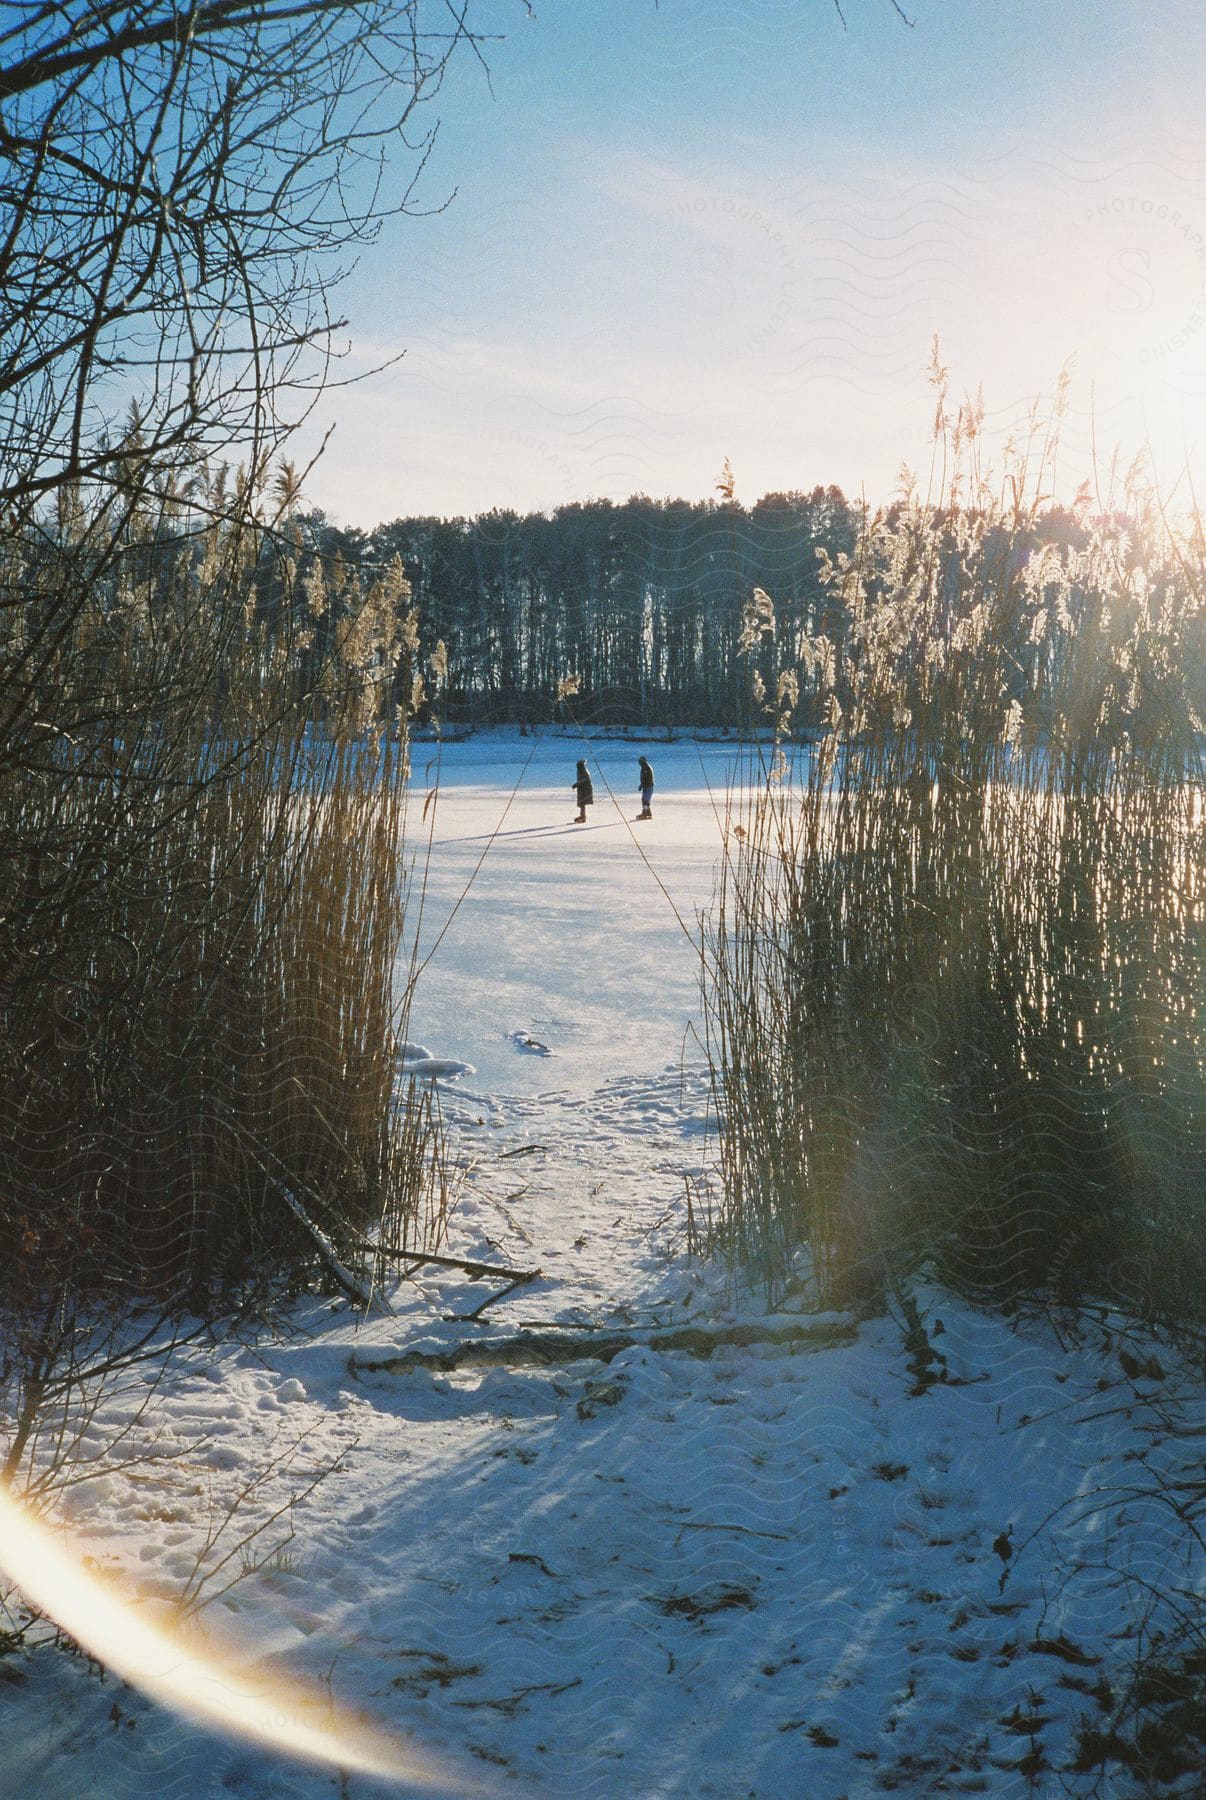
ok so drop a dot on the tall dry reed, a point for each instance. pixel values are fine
(202, 905)
(955, 990)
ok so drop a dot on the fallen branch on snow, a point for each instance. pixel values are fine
(577, 1346)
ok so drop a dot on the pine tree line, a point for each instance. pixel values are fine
(642, 601)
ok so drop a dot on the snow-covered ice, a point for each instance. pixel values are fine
(797, 1568)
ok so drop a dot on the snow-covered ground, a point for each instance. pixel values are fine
(844, 1562)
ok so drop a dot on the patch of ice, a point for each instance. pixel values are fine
(439, 1068)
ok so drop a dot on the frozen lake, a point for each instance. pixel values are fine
(571, 933)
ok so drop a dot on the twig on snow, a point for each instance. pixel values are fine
(469, 1317)
(749, 1531)
(477, 1271)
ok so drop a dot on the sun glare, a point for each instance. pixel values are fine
(173, 1667)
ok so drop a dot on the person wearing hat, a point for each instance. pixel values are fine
(646, 786)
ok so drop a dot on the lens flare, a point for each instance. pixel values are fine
(199, 1681)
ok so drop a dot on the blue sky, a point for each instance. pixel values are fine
(698, 230)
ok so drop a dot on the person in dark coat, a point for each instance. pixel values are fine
(584, 793)
(646, 786)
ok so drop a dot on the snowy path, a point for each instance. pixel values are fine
(771, 1574)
